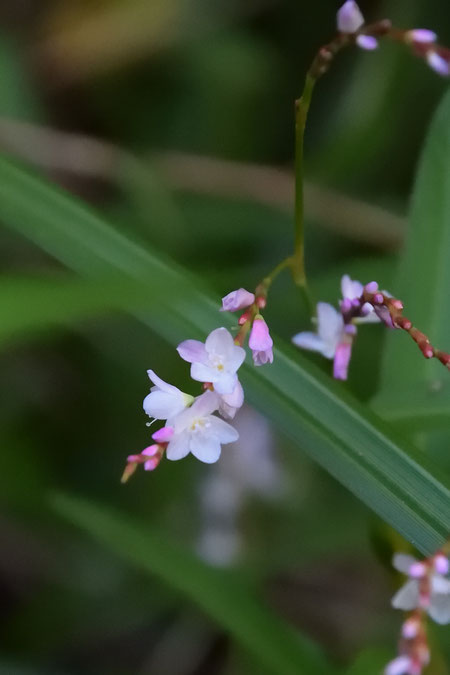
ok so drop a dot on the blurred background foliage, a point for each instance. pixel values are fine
(174, 118)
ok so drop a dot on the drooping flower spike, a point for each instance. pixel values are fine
(426, 593)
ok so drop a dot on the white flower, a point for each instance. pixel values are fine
(215, 361)
(165, 400)
(330, 329)
(427, 589)
(198, 431)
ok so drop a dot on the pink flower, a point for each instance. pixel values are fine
(438, 63)
(236, 300)
(260, 342)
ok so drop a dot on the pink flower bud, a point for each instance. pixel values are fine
(411, 628)
(371, 287)
(163, 435)
(417, 570)
(367, 42)
(421, 35)
(151, 450)
(260, 339)
(442, 564)
(438, 63)
(342, 360)
(349, 17)
(236, 300)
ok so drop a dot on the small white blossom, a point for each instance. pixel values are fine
(198, 431)
(216, 361)
(426, 588)
(165, 400)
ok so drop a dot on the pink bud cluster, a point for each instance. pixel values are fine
(260, 341)
(426, 593)
(353, 28)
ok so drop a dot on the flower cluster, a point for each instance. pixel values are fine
(337, 329)
(190, 425)
(427, 592)
(351, 26)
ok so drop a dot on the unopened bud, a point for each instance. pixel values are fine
(441, 564)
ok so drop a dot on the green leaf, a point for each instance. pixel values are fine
(32, 305)
(389, 475)
(220, 594)
(424, 274)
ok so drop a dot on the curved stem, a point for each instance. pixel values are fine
(301, 115)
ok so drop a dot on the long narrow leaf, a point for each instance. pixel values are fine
(349, 441)
(220, 594)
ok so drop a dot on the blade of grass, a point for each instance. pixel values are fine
(348, 440)
(220, 594)
(424, 276)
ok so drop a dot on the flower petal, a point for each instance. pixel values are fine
(220, 341)
(226, 383)
(223, 431)
(310, 341)
(439, 608)
(330, 327)
(407, 597)
(205, 405)
(402, 562)
(351, 289)
(192, 351)
(178, 446)
(236, 359)
(204, 373)
(161, 405)
(205, 447)
(161, 384)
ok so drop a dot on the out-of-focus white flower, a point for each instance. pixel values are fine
(198, 431)
(165, 400)
(216, 361)
(427, 588)
(330, 328)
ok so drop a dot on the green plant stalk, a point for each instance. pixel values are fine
(302, 106)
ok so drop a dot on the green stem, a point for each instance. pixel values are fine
(270, 278)
(301, 115)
